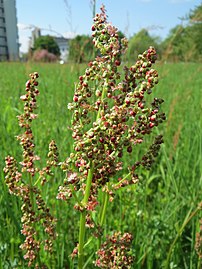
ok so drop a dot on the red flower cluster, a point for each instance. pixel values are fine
(116, 252)
(110, 115)
(23, 184)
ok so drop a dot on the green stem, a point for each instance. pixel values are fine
(104, 210)
(75, 196)
(106, 199)
(122, 180)
(83, 219)
(84, 202)
(102, 98)
(31, 191)
(103, 214)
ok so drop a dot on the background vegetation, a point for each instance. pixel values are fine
(48, 43)
(159, 210)
(182, 44)
(156, 211)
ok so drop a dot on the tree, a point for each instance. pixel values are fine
(175, 45)
(81, 49)
(196, 14)
(141, 42)
(48, 43)
(195, 19)
(184, 42)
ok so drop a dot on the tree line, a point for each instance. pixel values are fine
(183, 42)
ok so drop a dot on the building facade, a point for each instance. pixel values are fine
(63, 44)
(9, 44)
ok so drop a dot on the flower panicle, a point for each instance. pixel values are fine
(52, 161)
(111, 115)
(22, 182)
(12, 175)
(116, 252)
(25, 120)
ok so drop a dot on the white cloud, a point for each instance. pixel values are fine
(24, 43)
(24, 32)
(21, 26)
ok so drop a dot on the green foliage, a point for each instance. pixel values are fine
(156, 208)
(81, 49)
(139, 43)
(184, 42)
(196, 14)
(48, 43)
(195, 19)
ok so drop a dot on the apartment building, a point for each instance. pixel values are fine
(9, 44)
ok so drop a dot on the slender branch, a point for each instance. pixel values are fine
(75, 196)
(103, 214)
(83, 218)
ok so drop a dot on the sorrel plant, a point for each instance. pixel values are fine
(111, 117)
(25, 182)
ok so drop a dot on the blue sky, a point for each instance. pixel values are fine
(75, 16)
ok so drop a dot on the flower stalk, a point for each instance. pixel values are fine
(103, 213)
(110, 117)
(25, 183)
(83, 218)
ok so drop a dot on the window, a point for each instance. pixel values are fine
(2, 19)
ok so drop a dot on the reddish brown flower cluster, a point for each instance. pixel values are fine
(25, 120)
(24, 183)
(13, 176)
(30, 219)
(52, 161)
(110, 115)
(115, 253)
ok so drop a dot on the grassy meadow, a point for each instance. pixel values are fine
(159, 211)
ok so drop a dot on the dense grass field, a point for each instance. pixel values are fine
(158, 211)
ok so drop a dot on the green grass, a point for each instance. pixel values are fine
(156, 211)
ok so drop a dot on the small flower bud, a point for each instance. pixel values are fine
(24, 97)
(117, 62)
(140, 105)
(151, 125)
(153, 117)
(129, 149)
